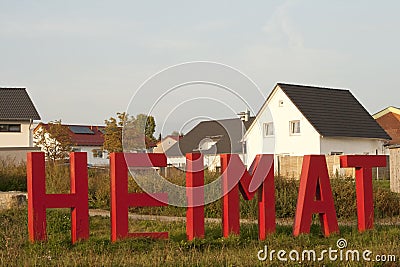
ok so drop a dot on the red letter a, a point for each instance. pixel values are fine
(315, 196)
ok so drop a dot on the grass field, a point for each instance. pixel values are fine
(15, 249)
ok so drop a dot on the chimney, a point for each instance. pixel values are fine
(244, 115)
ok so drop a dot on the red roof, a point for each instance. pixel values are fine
(390, 122)
(84, 135)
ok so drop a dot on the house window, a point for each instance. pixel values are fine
(14, 128)
(294, 127)
(268, 129)
(281, 103)
(97, 153)
(335, 153)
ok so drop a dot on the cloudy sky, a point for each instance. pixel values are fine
(82, 61)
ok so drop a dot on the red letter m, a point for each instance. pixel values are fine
(259, 178)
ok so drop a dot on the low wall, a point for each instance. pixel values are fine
(16, 153)
(12, 199)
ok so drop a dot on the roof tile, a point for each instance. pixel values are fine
(15, 104)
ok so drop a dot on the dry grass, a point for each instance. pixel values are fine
(15, 250)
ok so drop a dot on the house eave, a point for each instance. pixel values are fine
(260, 112)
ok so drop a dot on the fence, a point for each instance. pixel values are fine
(290, 167)
(395, 169)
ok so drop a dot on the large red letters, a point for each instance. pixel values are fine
(261, 178)
(315, 196)
(365, 200)
(39, 201)
(195, 196)
(121, 200)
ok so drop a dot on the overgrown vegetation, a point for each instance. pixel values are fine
(387, 203)
(12, 175)
(54, 139)
(15, 249)
(138, 132)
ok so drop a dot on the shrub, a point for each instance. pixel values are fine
(387, 203)
(12, 175)
(344, 195)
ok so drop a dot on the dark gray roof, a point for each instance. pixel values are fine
(333, 112)
(15, 104)
(228, 134)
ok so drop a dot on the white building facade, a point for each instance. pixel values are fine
(281, 128)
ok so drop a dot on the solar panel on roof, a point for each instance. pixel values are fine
(80, 130)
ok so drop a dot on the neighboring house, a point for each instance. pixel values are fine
(17, 113)
(389, 120)
(86, 138)
(211, 138)
(296, 120)
(166, 143)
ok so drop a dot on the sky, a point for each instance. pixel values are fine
(83, 61)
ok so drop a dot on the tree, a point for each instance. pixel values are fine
(146, 124)
(54, 140)
(138, 132)
(113, 133)
(176, 133)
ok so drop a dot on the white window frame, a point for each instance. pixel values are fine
(267, 128)
(293, 130)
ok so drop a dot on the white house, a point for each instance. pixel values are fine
(17, 114)
(297, 120)
(86, 138)
(166, 143)
(211, 138)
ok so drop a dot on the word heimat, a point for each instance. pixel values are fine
(315, 194)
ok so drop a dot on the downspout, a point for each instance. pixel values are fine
(30, 144)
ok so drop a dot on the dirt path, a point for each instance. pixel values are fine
(134, 216)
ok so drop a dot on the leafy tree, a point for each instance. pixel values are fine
(113, 133)
(138, 132)
(175, 133)
(146, 124)
(54, 139)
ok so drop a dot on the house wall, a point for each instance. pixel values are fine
(177, 161)
(307, 142)
(21, 139)
(348, 146)
(212, 162)
(282, 142)
(256, 143)
(91, 159)
(164, 145)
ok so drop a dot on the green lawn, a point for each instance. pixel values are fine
(15, 249)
